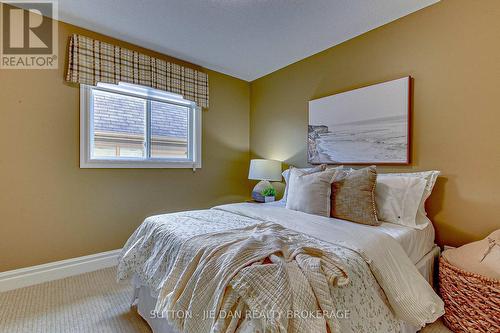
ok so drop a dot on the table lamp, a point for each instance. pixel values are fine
(265, 171)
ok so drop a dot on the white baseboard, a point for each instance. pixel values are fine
(29, 276)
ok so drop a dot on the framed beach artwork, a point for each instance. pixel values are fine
(369, 125)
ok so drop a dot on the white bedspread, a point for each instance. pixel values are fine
(415, 242)
(409, 294)
(150, 256)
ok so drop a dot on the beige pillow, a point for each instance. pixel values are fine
(310, 192)
(286, 175)
(353, 196)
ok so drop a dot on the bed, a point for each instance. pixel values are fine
(372, 301)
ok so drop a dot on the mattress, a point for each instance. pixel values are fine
(416, 243)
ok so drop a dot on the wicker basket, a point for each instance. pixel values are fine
(471, 301)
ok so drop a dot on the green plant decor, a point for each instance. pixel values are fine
(269, 192)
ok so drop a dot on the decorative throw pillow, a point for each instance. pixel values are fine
(430, 178)
(286, 175)
(310, 193)
(398, 198)
(353, 196)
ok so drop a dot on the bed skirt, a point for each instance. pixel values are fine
(145, 301)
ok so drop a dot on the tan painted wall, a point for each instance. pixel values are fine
(50, 209)
(452, 49)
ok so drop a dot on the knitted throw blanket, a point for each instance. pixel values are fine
(263, 270)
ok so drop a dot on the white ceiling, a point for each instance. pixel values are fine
(243, 38)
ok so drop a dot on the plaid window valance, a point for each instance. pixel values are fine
(92, 61)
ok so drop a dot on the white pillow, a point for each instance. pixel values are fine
(430, 178)
(310, 193)
(398, 198)
(318, 168)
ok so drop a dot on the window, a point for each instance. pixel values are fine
(130, 126)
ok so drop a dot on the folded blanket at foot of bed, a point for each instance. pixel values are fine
(262, 269)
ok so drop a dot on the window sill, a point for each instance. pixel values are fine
(131, 164)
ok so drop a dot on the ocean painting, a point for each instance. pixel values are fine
(363, 126)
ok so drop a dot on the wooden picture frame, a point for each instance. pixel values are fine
(364, 126)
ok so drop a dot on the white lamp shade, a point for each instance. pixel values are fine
(261, 169)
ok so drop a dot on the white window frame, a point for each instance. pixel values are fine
(86, 115)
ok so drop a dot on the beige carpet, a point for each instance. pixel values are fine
(91, 302)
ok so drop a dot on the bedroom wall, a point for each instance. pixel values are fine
(452, 51)
(50, 209)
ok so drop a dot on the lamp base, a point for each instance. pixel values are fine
(257, 190)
